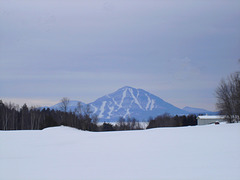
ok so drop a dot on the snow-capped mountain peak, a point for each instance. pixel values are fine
(131, 102)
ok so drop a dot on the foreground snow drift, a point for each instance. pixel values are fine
(62, 153)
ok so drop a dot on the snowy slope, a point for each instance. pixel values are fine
(131, 102)
(189, 153)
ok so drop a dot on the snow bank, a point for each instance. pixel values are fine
(62, 153)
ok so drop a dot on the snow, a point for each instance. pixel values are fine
(152, 104)
(102, 108)
(95, 109)
(148, 103)
(142, 108)
(115, 102)
(121, 102)
(127, 114)
(123, 97)
(212, 117)
(201, 153)
(110, 112)
(135, 99)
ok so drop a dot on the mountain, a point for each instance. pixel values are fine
(131, 102)
(192, 110)
(71, 106)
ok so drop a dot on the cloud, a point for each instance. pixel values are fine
(84, 49)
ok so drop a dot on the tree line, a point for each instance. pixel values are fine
(30, 118)
(166, 120)
(13, 117)
(122, 124)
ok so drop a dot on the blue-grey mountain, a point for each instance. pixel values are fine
(192, 110)
(131, 102)
(71, 106)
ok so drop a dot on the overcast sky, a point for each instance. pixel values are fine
(83, 49)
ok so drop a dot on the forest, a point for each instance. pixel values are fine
(13, 117)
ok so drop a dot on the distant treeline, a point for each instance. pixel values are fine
(172, 121)
(13, 117)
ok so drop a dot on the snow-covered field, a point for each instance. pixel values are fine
(189, 153)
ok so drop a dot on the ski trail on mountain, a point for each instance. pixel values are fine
(95, 109)
(111, 108)
(135, 99)
(152, 105)
(123, 97)
(102, 109)
(148, 103)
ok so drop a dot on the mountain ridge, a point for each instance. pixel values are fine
(130, 102)
(198, 110)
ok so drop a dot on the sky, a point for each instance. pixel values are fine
(178, 50)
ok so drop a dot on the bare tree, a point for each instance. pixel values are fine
(87, 110)
(95, 119)
(121, 123)
(64, 104)
(228, 97)
(78, 110)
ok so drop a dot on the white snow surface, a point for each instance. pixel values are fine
(212, 117)
(110, 112)
(135, 99)
(123, 97)
(127, 114)
(102, 109)
(189, 153)
(115, 102)
(152, 104)
(95, 109)
(148, 103)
